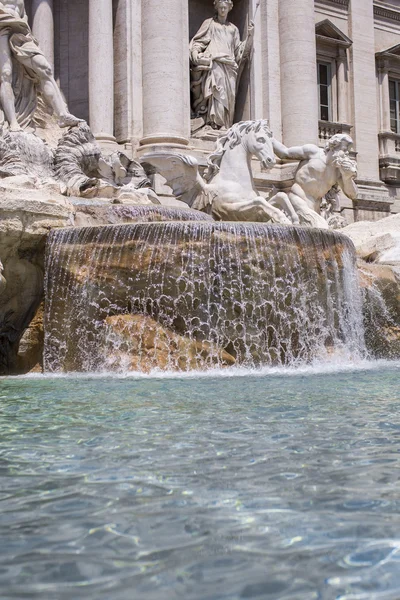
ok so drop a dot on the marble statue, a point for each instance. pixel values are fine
(216, 54)
(82, 170)
(71, 164)
(76, 167)
(227, 191)
(320, 170)
(25, 74)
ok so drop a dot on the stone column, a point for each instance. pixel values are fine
(43, 27)
(385, 98)
(364, 86)
(101, 70)
(299, 72)
(342, 86)
(166, 91)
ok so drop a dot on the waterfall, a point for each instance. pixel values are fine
(184, 295)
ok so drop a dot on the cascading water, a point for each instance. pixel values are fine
(195, 295)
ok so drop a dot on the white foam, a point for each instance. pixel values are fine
(316, 368)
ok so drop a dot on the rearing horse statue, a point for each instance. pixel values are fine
(227, 191)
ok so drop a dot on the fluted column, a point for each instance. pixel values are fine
(43, 27)
(343, 100)
(101, 70)
(299, 72)
(166, 92)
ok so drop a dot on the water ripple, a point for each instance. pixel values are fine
(282, 488)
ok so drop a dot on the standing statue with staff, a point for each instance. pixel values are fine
(25, 73)
(217, 54)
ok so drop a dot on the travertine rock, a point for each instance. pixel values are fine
(377, 241)
(139, 343)
(381, 285)
(246, 288)
(30, 350)
(24, 225)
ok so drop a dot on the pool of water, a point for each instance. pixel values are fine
(273, 485)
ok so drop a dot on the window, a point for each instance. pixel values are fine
(394, 106)
(325, 91)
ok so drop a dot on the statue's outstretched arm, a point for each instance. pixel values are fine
(295, 152)
(349, 187)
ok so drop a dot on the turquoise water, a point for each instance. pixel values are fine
(272, 486)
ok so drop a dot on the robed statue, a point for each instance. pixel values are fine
(217, 55)
(25, 73)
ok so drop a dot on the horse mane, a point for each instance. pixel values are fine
(230, 140)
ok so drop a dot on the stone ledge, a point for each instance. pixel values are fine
(387, 13)
(344, 3)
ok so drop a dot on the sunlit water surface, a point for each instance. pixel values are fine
(272, 486)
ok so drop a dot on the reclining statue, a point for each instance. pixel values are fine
(25, 73)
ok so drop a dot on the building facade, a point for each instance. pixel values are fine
(319, 67)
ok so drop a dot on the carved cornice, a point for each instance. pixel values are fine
(344, 3)
(387, 13)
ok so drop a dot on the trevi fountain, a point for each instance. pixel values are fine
(199, 391)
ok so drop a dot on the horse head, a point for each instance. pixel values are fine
(258, 140)
(254, 136)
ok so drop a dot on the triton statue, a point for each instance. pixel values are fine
(320, 170)
(228, 191)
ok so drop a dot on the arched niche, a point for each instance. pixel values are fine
(199, 11)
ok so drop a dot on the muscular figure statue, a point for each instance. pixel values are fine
(319, 170)
(216, 53)
(24, 71)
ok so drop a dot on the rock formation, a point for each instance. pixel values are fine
(378, 248)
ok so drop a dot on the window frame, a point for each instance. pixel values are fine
(396, 83)
(329, 86)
